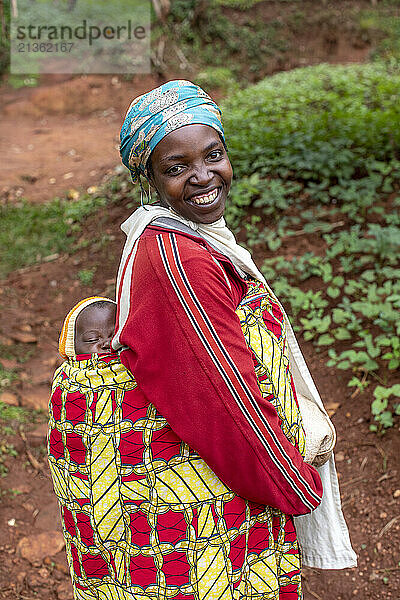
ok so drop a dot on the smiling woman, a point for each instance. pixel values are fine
(192, 178)
(208, 450)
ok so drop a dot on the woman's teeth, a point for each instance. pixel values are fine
(206, 199)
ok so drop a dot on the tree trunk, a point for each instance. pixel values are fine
(161, 8)
(14, 8)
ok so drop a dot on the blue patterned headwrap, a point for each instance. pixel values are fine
(152, 116)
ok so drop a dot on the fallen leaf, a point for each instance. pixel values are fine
(51, 257)
(43, 572)
(72, 194)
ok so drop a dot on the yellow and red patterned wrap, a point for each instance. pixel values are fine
(143, 516)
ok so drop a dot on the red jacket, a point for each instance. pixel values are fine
(189, 357)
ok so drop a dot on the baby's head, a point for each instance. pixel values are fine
(94, 328)
(88, 328)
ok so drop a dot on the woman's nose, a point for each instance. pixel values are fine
(201, 174)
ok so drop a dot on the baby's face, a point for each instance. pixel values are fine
(94, 329)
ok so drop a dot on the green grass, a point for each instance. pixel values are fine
(11, 418)
(5, 451)
(243, 4)
(30, 232)
(16, 414)
(85, 276)
(20, 81)
(16, 352)
(211, 40)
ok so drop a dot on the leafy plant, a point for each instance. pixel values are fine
(10, 414)
(6, 450)
(360, 384)
(393, 356)
(382, 410)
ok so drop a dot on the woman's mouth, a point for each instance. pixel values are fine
(205, 199)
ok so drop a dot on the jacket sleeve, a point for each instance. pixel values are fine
(189, 357)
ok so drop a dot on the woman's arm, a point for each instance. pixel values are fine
(189, 357)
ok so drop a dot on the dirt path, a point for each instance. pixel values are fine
(62, 136)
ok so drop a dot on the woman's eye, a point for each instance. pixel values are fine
(175, 170)
(215, 154)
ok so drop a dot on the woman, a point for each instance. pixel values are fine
(208, 447)
(208, 344)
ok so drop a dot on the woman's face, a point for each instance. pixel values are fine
(191, 172)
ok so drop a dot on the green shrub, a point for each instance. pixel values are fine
(320, 124)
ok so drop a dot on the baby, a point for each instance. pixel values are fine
(91, 395)
(88, 328)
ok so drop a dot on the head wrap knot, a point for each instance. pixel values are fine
(154, 115)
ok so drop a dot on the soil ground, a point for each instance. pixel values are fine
(63, 136)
